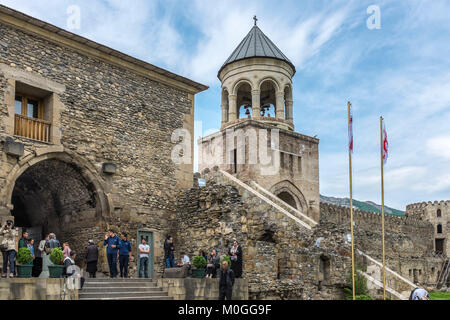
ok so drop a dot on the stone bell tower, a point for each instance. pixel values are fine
(257, 141)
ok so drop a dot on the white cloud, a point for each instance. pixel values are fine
(439, 147)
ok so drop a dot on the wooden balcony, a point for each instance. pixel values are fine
(32, 128)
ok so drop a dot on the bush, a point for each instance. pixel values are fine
(227, 259)
(199, 262)
(57, 256)
(24, 256)
(360, 287)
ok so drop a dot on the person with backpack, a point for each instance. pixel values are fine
(9, 248)
(419, 294)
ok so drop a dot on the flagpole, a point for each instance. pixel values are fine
(351, 209)
(382, 207)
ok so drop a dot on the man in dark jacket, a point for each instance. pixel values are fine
(168, 252)
(226, 282)
(24, 240)
(112, 243)
(124, 255)
(91, 258)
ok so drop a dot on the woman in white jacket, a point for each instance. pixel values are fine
(9, 242)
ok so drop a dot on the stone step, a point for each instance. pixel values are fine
(111, 294)
(120, 289)
(119, 280)
(119, 285)
(132, 298)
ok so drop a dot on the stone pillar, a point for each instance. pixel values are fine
(224, 108)
(279, 105)
(289, 110)
(232, 106)
(256, 103)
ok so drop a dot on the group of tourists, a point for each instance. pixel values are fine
(120, 249)
(214, 268)
(40, 257)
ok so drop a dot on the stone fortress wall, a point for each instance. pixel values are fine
(408, 242)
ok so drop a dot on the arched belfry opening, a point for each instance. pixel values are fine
(49, 196)
(244, 100)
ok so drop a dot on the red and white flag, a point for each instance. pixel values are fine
(385, 145)
(350, 131)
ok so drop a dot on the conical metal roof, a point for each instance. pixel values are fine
(256, 44)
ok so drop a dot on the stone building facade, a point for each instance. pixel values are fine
(438, 214)
(86, 137)
(257, 140)
(86, 145)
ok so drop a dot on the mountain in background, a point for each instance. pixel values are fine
(361, 205)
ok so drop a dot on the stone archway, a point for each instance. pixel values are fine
(58, 192)
(289, 193)
(288, 198)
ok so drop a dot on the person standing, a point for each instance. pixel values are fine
(112, 249)
(71, 270)
(23, 242)
(226, 282)
(91, 258)
(236, 258)
(144, 253)
(202, 253)
(66, 250)
(168, 252)
(124, 255)
(30, 246)
(44, 257)
(9, 241)
(52, 243)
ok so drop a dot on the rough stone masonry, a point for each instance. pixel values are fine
(100, 107)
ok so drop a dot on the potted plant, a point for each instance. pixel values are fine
(24, 263)
(56, 257)
(199, 263)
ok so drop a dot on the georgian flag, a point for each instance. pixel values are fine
(385, 144)
(350, 131)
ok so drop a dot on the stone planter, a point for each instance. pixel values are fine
(24, 270)
(55, 271)
(198, 273)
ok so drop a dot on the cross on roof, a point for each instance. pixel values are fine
(256, 19)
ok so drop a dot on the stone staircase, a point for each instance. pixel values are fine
(122, 289)
(444, 275)
(302, 219)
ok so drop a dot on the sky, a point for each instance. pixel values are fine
(400, 70)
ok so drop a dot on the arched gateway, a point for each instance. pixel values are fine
(57, 192)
